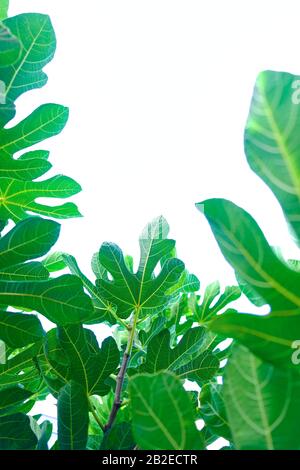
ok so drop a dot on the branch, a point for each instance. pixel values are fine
(121, 375)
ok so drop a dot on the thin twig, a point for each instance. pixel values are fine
(96, 417)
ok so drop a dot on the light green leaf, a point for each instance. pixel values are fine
(19, 329)
(35, 33)
(54, 262)
(162, 413)
(143, 290)
(73, 417)
(212, 410)
(271, 337)
(246, 249)
(4, 4)
(262, 403)
(272, 139)
(213, 302)
(16, 433)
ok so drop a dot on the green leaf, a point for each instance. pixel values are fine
(103, 309)
(188, 359)
(272, 140)
(213, 302)
(246, 249)
(10, 48)
(271, 337)
(73, 417)
(89, 365)
(4, 4)
(119, 437)
(162, 413)
(35, 33)
(54, 262)
(21, 369)
(28, 166)
(19, 329)
(143, 290)
(11, 397)
(16, 433)
(212, 410)
(61, 300)
(29, 239)
(34, 271)
(262, 403)
(44, 122)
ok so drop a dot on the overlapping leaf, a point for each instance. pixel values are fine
(262, 403)
(142, 290)
(190, 358)
(272, 141)
(246, 249)
(212, 410)
(271, 337)
(16, 433)
(38, 43)
(73, 417)
(212, 302)
(162, 413)
(18, 329)
(87, 364)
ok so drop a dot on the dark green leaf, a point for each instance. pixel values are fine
(16, 433)
(19, 329)
(73, 417)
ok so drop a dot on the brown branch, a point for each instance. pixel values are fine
(117, 401)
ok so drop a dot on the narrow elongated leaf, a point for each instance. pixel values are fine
(35, 33)
(246, 249)
(262, 403)
(61, 300)
(162, 413)
(272, 140)
(271, 337)
(142, 290)
(16, 433)
(73, 417)
(188, 359)
(18, 329)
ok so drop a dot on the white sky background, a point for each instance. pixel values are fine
(159, 93)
